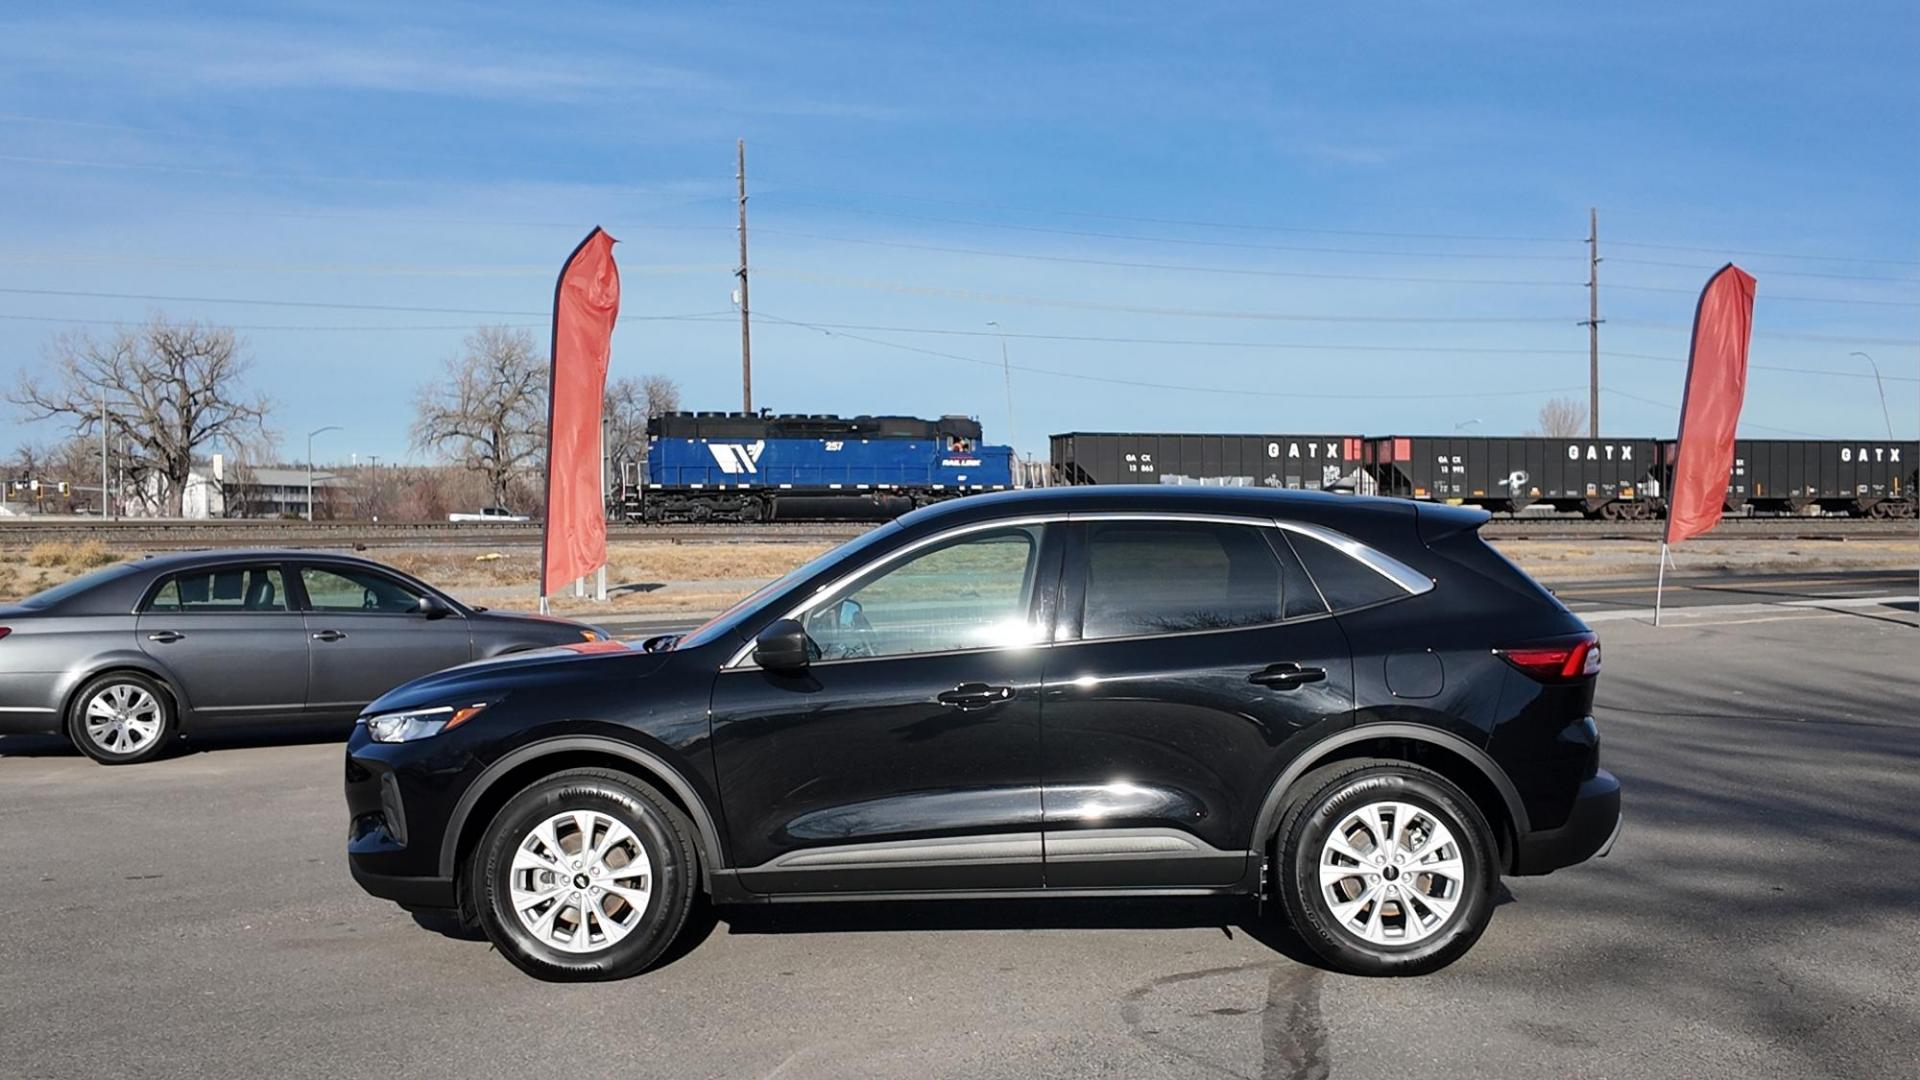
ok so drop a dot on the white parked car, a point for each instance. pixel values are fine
(494, 514)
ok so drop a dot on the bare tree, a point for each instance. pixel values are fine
(630, 403)
(171, 390)
(1562, 418)
(489, 415)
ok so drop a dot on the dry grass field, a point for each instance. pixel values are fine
(702, 577)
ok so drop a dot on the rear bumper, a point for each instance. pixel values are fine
(1590, 830)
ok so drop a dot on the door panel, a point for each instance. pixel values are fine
(227, 635)
(1178, 699)
(365, 638)
(907, 756)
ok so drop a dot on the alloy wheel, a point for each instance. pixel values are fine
(1392, 873)
(122, 718)
(580, 881)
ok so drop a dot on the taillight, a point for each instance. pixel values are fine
(5, 630)
(1561, 660)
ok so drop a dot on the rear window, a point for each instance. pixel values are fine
(1174, 577)
(222, 589)
(1345, 581)
(46, 598)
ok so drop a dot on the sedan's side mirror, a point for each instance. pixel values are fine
(432, 607)
(784, 647)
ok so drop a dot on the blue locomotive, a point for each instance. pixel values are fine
(748, 467)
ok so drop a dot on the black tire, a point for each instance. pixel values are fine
(103, 745)
(660, 829)
(1326, 797)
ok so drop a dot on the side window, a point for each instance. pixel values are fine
(223, 589)
(973, 593)
(1344, 580)
(345, 588)
(1167, 577)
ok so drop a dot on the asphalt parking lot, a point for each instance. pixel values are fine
(194, 917)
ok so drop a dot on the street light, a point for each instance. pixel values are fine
(1884, 415)
(310, 435)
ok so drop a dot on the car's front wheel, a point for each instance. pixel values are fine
(121, 718)
(1386, 868)
(587, 874)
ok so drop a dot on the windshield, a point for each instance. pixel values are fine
(727, 620)
(49, 597)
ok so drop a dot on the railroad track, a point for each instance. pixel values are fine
(150, 535)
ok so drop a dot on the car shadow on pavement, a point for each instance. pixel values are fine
(199, 742)
(1229, 915)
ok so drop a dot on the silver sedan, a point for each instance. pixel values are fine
(124, 658)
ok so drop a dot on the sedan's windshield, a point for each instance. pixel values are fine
(727, 620)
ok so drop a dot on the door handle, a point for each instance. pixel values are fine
(165, 637)
(1287, 675)
(969, 696)
(329, 635)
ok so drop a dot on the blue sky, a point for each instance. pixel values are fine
(1267, 217)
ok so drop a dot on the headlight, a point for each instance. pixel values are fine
(414, 724)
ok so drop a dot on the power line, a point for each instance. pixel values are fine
(1167, 239)
(1765, 367)
(1789, 335)
(1743, 421)
(1236, 391)
(1243, 226)
(1198, 342)
(365, 269)
(1766, 254)
(1773, 297)
(1136, 265)
(317, 304)
(1774, 273)
(1091, 305)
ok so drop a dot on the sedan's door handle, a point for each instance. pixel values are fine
(973, 695)
(165, 637)
(1287, 676)
(329, 635)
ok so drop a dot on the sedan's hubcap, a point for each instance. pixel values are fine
(580, 881)
(1392, 873)
(122, 718)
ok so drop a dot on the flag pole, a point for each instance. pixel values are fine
(1660, 588)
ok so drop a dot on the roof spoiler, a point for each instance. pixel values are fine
(1438, 521)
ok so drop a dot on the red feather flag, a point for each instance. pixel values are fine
(1710, 409)
(586, 303)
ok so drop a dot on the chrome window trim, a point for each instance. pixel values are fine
(1409, 580)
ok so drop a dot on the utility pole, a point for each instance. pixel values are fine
(1006, 368)
(1593, 323)
(103, 458)
(746, 321)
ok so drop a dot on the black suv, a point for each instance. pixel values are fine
(1352, 705)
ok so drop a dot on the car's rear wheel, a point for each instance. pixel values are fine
(121, 718)
(1386, 868)
(587, 874)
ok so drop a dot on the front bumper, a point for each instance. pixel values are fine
(1591, 830)
(394, 840)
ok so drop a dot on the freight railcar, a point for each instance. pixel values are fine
(1861, 477)
(1307, 462)
(1615, 479)
(752, 467)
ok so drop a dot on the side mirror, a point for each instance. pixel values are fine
(432, 607)
(784, 647)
